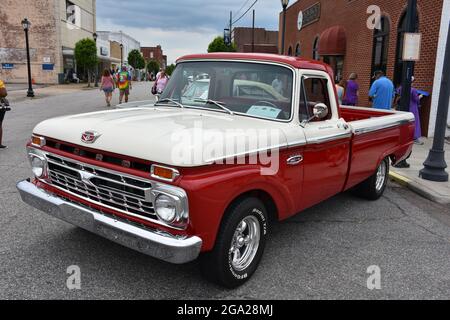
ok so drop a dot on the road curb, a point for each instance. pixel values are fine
(419, 189)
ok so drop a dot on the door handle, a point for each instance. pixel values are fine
(294, 160)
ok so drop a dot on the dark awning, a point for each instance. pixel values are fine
(333, 42)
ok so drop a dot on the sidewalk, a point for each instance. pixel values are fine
(434, 191)
(18, 92)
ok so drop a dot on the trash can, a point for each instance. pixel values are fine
(61, 77)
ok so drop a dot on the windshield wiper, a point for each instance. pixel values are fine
(169, 100)
(217, 103)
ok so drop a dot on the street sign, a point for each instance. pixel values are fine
(412, 46)
(7, 66)
(46, 60)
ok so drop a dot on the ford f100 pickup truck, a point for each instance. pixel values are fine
(235, 143)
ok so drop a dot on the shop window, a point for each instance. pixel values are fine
(381, 46)
(297, 50)
(315, 54)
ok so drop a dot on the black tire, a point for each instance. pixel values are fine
(218, 265)
(371, 188)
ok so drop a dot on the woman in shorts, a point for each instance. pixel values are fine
(107, 86)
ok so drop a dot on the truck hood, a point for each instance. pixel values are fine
(168, 135)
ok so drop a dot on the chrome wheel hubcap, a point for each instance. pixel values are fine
(381, 176)
(245, 243)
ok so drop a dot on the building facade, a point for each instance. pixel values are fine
(363, 36)
(156, 54)
(264, 41)
(128, 43)
(56, 25)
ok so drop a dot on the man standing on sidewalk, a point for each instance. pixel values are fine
(3, 94)
(382, 92)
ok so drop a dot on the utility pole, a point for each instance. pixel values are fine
(408, 66)
(253, 32)
(435, 165)
(231, 27)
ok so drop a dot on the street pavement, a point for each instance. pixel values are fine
(322, 253)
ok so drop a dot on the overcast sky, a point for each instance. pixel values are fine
(181, 26)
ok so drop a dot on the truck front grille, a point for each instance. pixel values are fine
(101, 186)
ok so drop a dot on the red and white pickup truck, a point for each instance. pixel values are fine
(235, 143)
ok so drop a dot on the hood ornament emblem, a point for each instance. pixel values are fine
(90, 136)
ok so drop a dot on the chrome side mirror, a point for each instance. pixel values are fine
(320, 111)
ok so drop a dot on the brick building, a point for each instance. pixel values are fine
(155, 53)
(265, 41)
(339, 32)
(56, 25)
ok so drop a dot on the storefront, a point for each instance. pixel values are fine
(340, 33)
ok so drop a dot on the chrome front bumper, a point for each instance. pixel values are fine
(161, 246)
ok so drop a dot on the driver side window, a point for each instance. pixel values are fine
(314, 90)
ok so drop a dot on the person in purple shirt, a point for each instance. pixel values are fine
(351, 91)
(414, 105)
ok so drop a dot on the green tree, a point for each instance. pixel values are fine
(169, 69)
(136, 60)
(86, 56)
(153, 66)
(218, 45)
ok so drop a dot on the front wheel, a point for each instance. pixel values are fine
(373, 188)
(239, 245)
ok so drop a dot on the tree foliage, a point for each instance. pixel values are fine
(169, 69)
(218, 45)
(136, 60)
(153, 66)
(86, 56)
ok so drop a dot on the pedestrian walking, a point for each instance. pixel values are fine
(107, 86)
(160, 83)
(382, 92)
(124, 84)
(414, 106)
(340, 89)
(351, 91)
(3, 108)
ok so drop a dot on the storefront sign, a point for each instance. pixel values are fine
(411, 46)
(310, 15)
(7, 66)
(48, 66)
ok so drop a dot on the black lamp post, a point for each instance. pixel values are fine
(435, 165)
(284, 3)
(121, 55)
(26, 26)
(408, 66)
(96, 66)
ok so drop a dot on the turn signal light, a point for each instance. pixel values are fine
(164, 173)
(37, 141)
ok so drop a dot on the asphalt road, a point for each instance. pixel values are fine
(323, 253)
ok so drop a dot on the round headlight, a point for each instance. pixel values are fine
(165, 208)
(38, 167)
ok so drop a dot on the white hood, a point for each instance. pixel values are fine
(169, 135)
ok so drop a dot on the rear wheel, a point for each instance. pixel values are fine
(373, 188)
(239, 245)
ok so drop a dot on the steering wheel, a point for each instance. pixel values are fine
(267, 103)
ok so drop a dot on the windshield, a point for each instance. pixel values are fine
(253, 89)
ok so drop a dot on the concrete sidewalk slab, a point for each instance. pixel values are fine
(435, 191)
